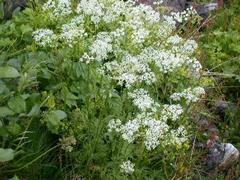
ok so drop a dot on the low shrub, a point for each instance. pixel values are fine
(112, 81)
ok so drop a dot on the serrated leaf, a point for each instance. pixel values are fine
(17, 104)
(68, 97)
(5, 111)
(6, 154)
(8, 72)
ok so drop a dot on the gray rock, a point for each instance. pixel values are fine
(12, 5)
(221, 156)
(147, 2)
(231, 155)
(221, 107)
(176, 5)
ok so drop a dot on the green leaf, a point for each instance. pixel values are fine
(35, 111)
(15, 178)
(26, 28)
(17, 104)
(6, 155)
(5, 111)
(8, 72)
(4, 132)
(60, 114)
(53, 120)
(14, 128)
(68, 97)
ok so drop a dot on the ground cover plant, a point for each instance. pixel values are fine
(220, 46)
(99, 89)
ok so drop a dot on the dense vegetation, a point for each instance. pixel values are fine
(104, 89)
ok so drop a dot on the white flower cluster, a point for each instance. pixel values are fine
(58, 8)
(130, 70)
(114, 124)
(142, 100)
(172, 112)
(114, 11)
(189, 94)
(140, 35)
(177, 137)
(127, 167)
(189, 46)
(135, 46)
(44, 37)
(184, 16)
(91, 8)
(130, 130)
(86, 58)
(101, 46)
(152, 130)
(155, 130)
(71, 33)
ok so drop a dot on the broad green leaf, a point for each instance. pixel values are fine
(60, 114)
(17, 104)
(5, 111)
(8, 72)
(53, 120)
(35, 111)
(6, 155)
(14, 128)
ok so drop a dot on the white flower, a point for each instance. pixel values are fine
(50, 4)
(140, 35)
(184, 16)
(86, 58)
(189, 94)
(172, 112)
(130, 70)
(174, 39)
(71, 33)
(150, 15)
(130, 130)
(78, 20)
(189, 47)
(101, 46)
(58, 8)
(63, 9)
(114, 124)
(127, 167)
(114, 11)
(168, 62)
(91, 8)
(155, 130)
(177, 137)
(142, 100)
(44, 37)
